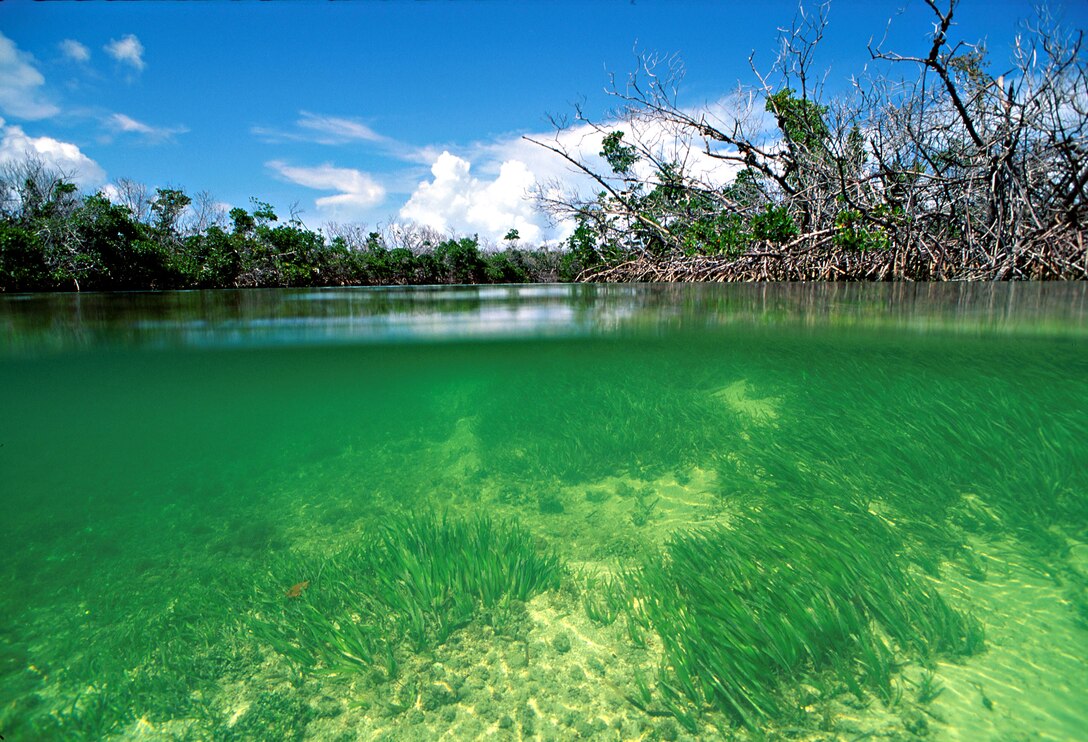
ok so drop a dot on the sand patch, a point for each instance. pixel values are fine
(739, 398)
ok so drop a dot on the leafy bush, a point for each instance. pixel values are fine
(22, 260)
(723, 234)
(774, 224)
(851, 233)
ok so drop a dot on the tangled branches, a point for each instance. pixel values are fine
(953, 174)
(1057, 255)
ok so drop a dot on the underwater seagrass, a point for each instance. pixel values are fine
(418, 581)
(745, 612)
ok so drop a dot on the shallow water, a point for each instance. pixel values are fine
(174, 465)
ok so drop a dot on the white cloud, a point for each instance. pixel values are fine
(119, 123)
(321, 129)
(487, 187)
(127, 50)
(74, 50)
(511, 168)
(20, 84)
(111, 192)
(454, 200)
(16, 146)
(337, 130)
(357, 191)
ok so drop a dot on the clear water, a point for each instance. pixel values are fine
(173, 465)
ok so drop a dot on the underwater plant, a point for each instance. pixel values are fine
(603, 598)
(745, 611)
(420, 579)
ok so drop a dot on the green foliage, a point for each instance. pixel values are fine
(851, 232)
(211, 260)
(800, 120)
(620, 157)
(121, 253)
(263, 213)
(722, 234)
(581, 252)
(298, 255)
(167, 207)
(459, 261)
(774, 224)
(746, 190)
(505, 267)
(242, 221)
(22, 260)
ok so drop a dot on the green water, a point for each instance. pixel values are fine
(887, 485)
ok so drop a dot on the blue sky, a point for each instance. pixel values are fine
(379, 111)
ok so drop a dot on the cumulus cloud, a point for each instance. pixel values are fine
(510, 169)
(455, 200)
(20, 84)
(74, 50)
(119, 123)
(127, 50)
(356, 191)
(17, 146)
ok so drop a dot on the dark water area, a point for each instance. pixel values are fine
(836, 510)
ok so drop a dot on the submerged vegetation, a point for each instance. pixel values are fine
(773, 528)
(422, 579)
(801, 592)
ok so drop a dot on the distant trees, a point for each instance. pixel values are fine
(54, 238)
(38, 227)
(950, 172)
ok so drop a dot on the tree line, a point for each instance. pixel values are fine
(53, 238)
(952, 171)
(934, 166)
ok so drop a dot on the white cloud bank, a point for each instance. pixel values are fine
(486, 188)
(127, 50)
(20, 83)
(16, 146)
(356, 191)
(456, 201)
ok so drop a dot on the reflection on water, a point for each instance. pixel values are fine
(31, 323)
